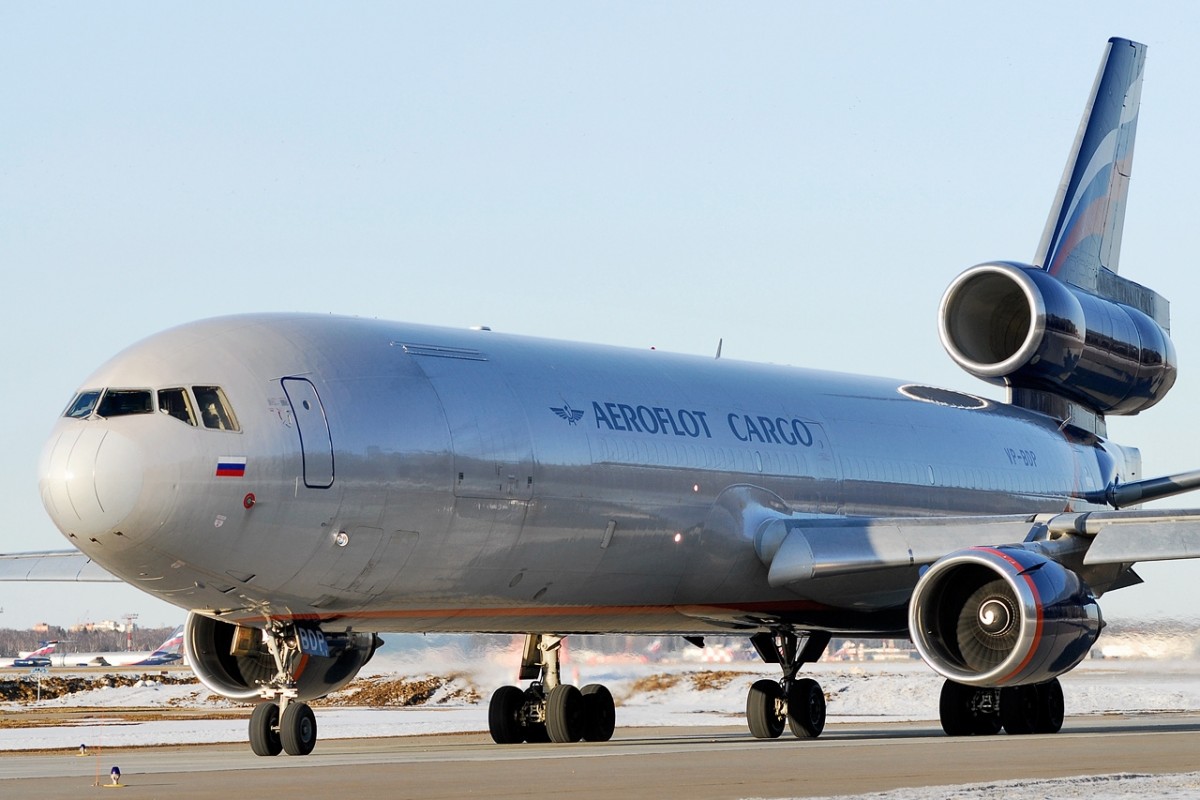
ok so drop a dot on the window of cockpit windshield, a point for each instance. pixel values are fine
(83, 405)
(176, 403)
(215, 409)
(124, 402)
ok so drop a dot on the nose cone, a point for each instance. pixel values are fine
(90, 478)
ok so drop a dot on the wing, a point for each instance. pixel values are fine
(1123, 537)
(52, 565)
(799, 549)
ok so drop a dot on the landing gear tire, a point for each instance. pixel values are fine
(1053, 709)
(264, 730)
(504, 711)
(1032, 709)
(298, 729)
(564, 714)
(599, 713)
(1018, 709)
(765, 709)
(969, 711)
(806, 708)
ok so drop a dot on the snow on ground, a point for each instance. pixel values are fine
(647, 695)
(1091, 787)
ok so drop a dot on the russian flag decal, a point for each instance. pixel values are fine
(231, 466)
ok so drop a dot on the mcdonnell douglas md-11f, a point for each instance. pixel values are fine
(299, 483)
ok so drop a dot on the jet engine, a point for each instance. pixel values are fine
(1002, 616)
(1016, 325)
(234, 661)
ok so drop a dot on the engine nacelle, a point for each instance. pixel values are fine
(234, 662)
(1002, 616)
(1017, 325)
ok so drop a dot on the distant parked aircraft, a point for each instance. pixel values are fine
(35, 658)
(169, 652)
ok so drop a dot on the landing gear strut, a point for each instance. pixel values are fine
(976, 711)
(281, 723)
(549, 710)
(795, 702)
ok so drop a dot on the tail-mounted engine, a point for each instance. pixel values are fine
(1019, 326)
(1002, 616)
(236, 662)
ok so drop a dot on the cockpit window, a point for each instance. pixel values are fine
(123, 402)
(83, 404)
(176, 403)
(215, 409)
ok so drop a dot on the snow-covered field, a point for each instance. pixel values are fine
(1089, 787)
(647, 695)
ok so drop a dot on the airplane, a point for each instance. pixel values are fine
(165, 654)
(300, 483)
(34, 658)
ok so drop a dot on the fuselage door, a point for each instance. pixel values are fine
(493, 451)
(316, 444)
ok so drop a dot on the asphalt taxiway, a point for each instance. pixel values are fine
(688, 764)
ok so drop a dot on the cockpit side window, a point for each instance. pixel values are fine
(124, 402)
(176, 403)
(83, 405)
(215, 409)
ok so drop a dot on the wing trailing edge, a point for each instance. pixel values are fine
(53, 565)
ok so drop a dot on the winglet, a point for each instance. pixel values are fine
(1083, 232)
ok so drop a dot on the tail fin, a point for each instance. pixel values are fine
(46, 649)
(1068, 336)
(1083, 233)
(173, 645)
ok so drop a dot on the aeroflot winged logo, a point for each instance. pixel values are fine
(569, 414)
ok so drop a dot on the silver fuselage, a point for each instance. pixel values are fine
(449, 480)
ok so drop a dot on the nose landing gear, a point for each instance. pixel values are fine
(293, 732)
(281, 723)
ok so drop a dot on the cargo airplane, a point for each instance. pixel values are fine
(299, 483)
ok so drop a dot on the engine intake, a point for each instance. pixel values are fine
(234, 662)
(1002, 616)
(1017, 325)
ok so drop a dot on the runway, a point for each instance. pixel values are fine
(640, 762)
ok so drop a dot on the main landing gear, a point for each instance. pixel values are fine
(974, 711)
(797, 703)
(549, 710)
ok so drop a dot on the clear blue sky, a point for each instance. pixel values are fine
(801, 179)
